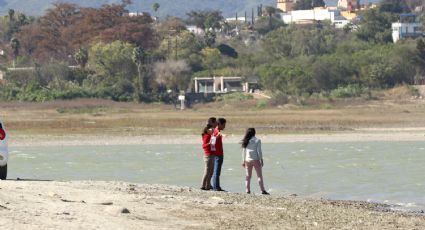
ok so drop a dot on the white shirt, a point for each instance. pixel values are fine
(252, 151)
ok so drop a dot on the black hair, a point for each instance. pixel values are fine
(209, 125)
(250, 133)
(221, 121)
(211, 120)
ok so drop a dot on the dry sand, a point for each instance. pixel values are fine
(118, 205)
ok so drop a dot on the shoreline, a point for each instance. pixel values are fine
(363, 135)
(121, 205)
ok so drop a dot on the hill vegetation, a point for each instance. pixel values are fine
(74, 51)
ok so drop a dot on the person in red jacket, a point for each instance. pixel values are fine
(2, 133)
(217, 147)
(208, 153)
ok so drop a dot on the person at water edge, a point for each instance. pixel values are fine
(252, 157)
(208, 154)
(217, 147)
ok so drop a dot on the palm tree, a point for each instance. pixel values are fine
(11, 14)
(270, 11)
(155, 7)
(139, 57)
(14, 43)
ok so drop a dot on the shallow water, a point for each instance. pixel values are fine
(386, 172)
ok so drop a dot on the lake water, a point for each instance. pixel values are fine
(386, 172)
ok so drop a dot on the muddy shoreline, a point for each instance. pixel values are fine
(120, 205)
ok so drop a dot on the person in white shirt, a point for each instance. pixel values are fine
(252, 157)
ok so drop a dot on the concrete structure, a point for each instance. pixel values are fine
(224, 84)
(316, 14)
(285, 5)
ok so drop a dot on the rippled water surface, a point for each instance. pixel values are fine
(387, 172)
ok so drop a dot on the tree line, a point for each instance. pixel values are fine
(105, 52)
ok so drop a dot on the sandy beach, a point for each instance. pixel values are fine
(119, 205)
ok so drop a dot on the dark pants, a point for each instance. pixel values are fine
(218, 162)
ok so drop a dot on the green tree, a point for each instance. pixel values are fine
(211, 59)
(139, 57)
(188, 48)
(375, 26)
(394, 6)
(308, 4)
(420, 60)
(11, 14)
(205, 19)
(115, 70)
(272, 22)
(270, 12)
(81, 57)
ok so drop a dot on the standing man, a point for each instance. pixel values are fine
(217, 147)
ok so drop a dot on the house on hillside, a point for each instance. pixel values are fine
(224, 84)
(314, 15)
(406, 27)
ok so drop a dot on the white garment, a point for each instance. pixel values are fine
(252, 151)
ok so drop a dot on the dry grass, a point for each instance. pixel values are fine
(104, 117)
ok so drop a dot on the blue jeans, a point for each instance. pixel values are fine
(218, 162)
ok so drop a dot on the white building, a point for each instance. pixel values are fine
(224, 84)
(406, 30)
(316, 14)
(195, 30)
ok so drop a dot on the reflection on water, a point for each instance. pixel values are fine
(388, 172)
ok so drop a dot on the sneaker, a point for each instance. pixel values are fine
(202, 188)
(220, 190)
(265, 193)
(248, 192)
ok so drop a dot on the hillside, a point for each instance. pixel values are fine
(175, 8)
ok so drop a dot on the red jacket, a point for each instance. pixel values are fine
(2, 134)
(206, 144)
(218, 143)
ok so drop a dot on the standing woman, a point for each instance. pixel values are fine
(207, 132)
(252, 156)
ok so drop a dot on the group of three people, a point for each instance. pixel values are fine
(212, 144)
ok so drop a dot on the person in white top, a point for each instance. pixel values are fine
(4, 151)
(252, 157)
